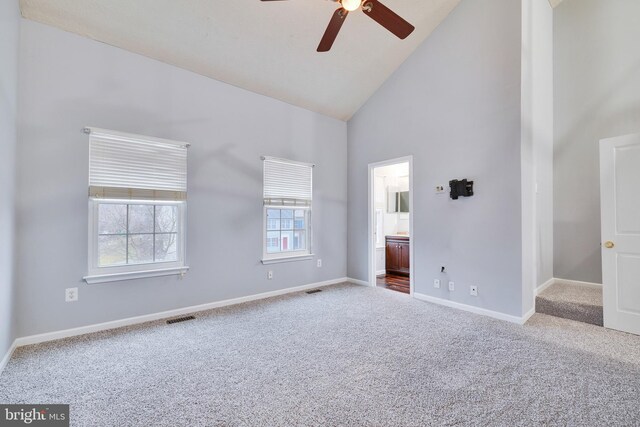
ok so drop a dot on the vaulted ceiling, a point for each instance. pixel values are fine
(265, 47)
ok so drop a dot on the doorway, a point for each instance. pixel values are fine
(391, 239)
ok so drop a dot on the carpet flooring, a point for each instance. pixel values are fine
(570, 301)
(346, 356)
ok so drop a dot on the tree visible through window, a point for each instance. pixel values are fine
(137, 206)
(136, 233)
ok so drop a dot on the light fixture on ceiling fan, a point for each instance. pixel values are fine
(372, 8)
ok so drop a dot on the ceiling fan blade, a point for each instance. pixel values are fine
(332, 30)
(387, 18)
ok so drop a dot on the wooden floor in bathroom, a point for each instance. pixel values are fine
(394, 282)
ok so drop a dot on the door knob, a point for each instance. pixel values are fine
(609, 244)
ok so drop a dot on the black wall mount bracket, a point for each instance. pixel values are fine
(460, 188)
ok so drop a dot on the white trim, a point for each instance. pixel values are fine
(287, 256)
(287, 259)
(97, 274)
(380, 272)
(7, 356)
(371, 212)
(50, 336)
(358, 282)
(132, 275)
(528, 315)
(537, 291)
(554, 281)
(474, 309)
(578, 283)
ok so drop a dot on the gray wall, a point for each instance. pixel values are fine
(455, 106)
(597, 95)
(9, 34)
(68, 82)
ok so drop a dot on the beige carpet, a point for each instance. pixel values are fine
(571, 301)
(347, 356)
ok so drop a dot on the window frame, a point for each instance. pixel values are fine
(299, 255)
(98, 274)
(287, 184)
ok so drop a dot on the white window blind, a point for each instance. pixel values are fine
(138, 167)
(287, 182)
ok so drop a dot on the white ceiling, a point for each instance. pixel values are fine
(265, 47)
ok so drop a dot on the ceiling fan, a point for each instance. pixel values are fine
(372, 8)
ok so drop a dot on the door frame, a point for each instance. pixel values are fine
(613, 316)
(371, 215)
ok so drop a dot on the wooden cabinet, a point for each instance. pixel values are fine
(397, 255)
(404, 257)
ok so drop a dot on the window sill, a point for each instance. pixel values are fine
(287, 259)
(131, 275)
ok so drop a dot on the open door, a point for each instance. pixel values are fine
(620, 209)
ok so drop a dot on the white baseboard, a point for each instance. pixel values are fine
(579, 283)
(544, 286)
(7, 356)
(553, 281)
(528, 315)
(381, 272)
(474, 309)
(50, 336)
(358, 282)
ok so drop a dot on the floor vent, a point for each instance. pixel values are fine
(315, 291)
(180, 319)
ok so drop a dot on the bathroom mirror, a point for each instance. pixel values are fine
(398, 202)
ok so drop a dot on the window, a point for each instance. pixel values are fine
(286, 230)
(137, 206)
(136, 233)
(287, 210)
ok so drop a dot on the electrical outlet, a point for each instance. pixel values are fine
(473, 290)
(319, 263)
(71, 294)
(270, 275)
(452, 286)
(436, 284)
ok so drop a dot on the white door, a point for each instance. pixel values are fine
(620, 209)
